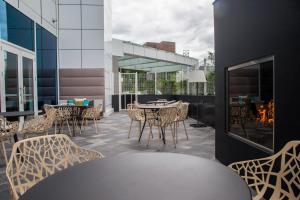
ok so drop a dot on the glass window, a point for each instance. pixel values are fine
(46, 66)
(251, 102)
(16, 27)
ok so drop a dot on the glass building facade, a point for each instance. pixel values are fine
(46, 56)
(17, 28)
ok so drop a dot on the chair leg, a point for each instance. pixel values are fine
(96, 126)
(187, 137)
(173, 136)
(4, 152)
(82, 125)
(70, 132)
(130, 129)
(55, 127)
(149, 136)
(176, 132)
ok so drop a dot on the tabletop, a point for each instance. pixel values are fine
(148, 106)
(161, 102)
(143, 176)
(17, 113)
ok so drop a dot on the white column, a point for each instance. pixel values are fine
(155, 83)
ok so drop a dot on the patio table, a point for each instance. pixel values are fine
(143, 176)
(161, 102)
(153, 108)
(76, 112)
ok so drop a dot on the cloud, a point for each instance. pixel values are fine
(188, 23)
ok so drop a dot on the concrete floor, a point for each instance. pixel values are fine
(112, 140)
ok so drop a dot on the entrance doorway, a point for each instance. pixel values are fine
(18, 80)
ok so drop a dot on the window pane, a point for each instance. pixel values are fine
(16, 27)
(251, 103)
(11, 82)
(46, 67)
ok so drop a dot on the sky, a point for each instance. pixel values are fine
(189, 23)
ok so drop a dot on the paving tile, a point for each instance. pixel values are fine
(112, 139)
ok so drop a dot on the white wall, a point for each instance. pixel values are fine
(109, 82)
(81, 34)
(43, 12)
(85, 38)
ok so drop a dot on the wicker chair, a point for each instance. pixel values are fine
(92, 114)
(39, 125)
(136, 115)
(36, 158)
(7, 130)
(63, 115)
(165, 117)
(181, 117)
(276, 177)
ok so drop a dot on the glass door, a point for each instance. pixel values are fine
(18, 79)
(28, 84)
(11, 85)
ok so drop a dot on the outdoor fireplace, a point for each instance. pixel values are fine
(250, 102)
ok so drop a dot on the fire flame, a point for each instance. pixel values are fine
(265, 114)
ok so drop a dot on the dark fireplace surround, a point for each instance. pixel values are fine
(247, 31)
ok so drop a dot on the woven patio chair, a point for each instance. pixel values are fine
(91, 114)
(276, 177)
(39, 125)
(35, 159)
(181, 117)
(7, 130)
(63, 116)
(136, 115)
(164, 118)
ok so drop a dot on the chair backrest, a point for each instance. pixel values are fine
(36, 158)
(167, 115)
(7, 129)
(274, 177)
(135, 113)
(183, 109)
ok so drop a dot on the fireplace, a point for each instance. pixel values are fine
(250, 102)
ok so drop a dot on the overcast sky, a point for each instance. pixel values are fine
(189, 23)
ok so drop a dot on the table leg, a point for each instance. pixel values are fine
(143, 125)
(163, 135)
(16, 137)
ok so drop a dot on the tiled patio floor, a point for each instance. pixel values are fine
(112, 140)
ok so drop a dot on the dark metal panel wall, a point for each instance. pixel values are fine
(248, 30)
(82, 83)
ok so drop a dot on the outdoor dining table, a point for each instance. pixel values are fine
(153, 108)
(161, 102)
(143, 176)
(76, 112)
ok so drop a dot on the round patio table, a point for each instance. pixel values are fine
(143, 176)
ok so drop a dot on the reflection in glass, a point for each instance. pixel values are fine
(15, 27)
(251, 103)
(28, 84)
(46, 67)
(11, 81)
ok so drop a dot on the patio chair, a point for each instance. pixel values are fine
(39, 125)
(63, 116)
(92, 114)
(181, 117)
(165, 117)
(136, 115)
(275, 177)
(36, 158)
(7, 130)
